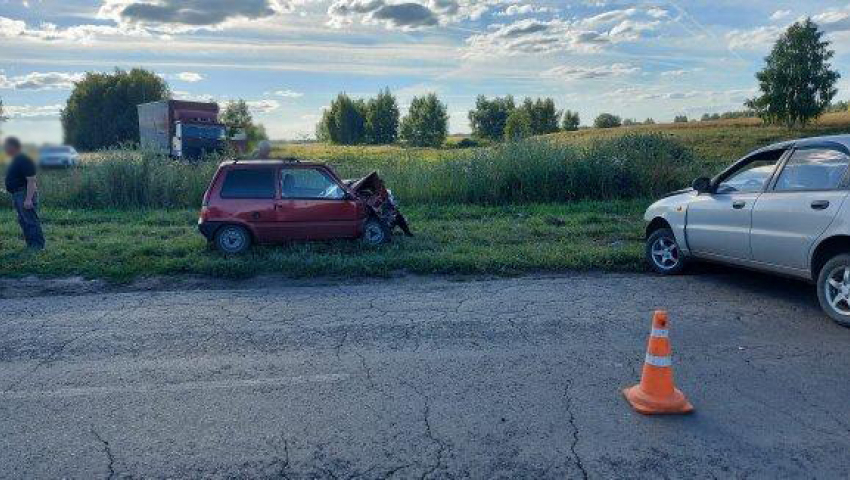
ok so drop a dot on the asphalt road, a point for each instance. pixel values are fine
(426, 378)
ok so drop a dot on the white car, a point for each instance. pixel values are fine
(780, 209)
(62, 156)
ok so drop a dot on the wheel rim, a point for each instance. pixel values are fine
(837, 290)
(373, 233)
(232, 240)
(665, 253)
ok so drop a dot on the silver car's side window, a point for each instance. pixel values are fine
(750, 179)
(813, 169)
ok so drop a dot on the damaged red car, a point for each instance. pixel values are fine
(276, 201)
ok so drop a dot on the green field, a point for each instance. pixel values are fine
(571, 201)
(122, 245)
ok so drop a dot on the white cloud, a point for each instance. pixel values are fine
(286, 93)
(190, 77)
(835, 20)
(586, 35)
(263, 106)
(32, 112)
(754, 39)
(527, 9)
(780, 15)
(571, 73)
(17, 29)
(41, 81)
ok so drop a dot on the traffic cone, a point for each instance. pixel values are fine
(656, 394)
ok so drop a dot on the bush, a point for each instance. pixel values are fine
(467, 143)
(571, 121)
(607, 120)
(518, 126)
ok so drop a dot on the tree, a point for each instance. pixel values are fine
(542, 115)
(382, 118)
(236, 116)
(630, 122)
(680, 119)
(607, 120)
(571, 121)
(519, 125)
(344, 123)
(427, 122)
(797, 83)
(649, 121)
(101, 111)
(490, 116)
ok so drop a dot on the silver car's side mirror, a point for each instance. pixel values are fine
(702, 185)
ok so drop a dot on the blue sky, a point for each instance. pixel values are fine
(289, 58)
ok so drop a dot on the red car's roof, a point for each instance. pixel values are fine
(274, 162)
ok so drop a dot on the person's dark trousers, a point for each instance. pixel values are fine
(29, 221)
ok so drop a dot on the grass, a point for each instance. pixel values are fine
(722, 141)
(123, 245)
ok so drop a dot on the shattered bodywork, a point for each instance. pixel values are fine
(374, 193)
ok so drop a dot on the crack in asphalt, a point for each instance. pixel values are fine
(575, 431)
(108, 451)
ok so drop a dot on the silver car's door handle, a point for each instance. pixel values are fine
(739, 204)
(820, 204)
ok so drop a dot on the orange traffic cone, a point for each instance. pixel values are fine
(656, 394)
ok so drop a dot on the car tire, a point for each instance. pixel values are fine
(663, 253)
(232, 239)
(375, 233)
(834, 289)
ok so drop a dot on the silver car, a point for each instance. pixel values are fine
(780, 209)
(62, 156)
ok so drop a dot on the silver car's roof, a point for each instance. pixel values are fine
(802, 142)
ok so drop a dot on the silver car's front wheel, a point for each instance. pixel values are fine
(663, 253)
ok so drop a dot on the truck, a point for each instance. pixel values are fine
(184, 129)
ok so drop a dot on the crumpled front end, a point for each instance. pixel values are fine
(374, 193)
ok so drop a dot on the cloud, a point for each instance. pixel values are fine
(586, 35)
(189, 13)
(836, 20)
(286, 93)
(49, 32)
(571, 73)
(407, 15)
(190, 77)
(515, 10)
(32, 112)
(780, 15)
(41, 81)
(263, 106)
(754, 39)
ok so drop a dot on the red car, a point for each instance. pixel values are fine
(275, 201)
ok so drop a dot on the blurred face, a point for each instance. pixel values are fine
(11, 150)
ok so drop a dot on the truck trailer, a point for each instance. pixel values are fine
(181, 129)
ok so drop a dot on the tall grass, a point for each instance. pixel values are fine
(632, 166)
(533, 171)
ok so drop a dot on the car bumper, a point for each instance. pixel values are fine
(208, 229)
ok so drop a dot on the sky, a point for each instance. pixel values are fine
(289, 58)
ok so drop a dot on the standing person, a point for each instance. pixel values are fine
(21, 184)
(264, 150)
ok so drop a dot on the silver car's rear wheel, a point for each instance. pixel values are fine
(663, 253)
(837, 290)
(834, 289)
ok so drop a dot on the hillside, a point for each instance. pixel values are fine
(721, 140)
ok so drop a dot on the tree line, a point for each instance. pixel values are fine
(378, 121)
(101, 110)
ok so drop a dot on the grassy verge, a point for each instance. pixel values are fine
(123, 245)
